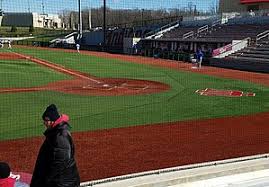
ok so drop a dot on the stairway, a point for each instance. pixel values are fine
(256, 53)
(253, 58)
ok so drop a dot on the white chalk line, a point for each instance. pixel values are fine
(56, 67)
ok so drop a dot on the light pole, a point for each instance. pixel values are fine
(216, 6)
(43, 7)
(29, 9)
(80, 21)
(104, 25)
(142, 17)
(1, 10)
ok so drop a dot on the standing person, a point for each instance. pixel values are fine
(7, 179)
(251, 13)
(1, 44)
(78, 46)
(199, 57)
(193, 61)
(55, 165)
(135, 49)
(9, 44)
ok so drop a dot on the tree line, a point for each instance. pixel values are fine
(93, 18)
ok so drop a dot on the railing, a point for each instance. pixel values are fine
(217, 22)
(188, 35)
(262, 35)
(162, 29)
(202, 29)
(231, 48)
(71, 34)
(63, 37)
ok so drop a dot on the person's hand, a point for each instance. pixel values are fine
(17, 177)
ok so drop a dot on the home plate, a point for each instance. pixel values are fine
(105, 85)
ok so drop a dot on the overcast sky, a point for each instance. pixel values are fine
(54, 6)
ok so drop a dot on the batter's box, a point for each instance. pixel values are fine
(224, 93)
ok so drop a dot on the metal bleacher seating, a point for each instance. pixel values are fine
(227, 33)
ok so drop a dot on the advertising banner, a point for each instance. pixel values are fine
(221, 50)
(253, 1)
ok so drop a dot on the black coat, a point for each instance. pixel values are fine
(55, 164)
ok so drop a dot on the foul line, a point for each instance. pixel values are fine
(56, 67)
(21, 90)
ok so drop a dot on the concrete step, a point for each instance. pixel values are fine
(239, 170)
(252, 55)
(248, 51)
(263, 44)
(243, 64)
(245, 58)
(258, 48)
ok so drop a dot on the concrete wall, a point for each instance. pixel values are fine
(46, 20)
(92, 38)
(37, 20)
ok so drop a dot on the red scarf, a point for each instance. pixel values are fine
(62, 118)
(7, 182)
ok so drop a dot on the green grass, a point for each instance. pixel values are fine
(5, 31)
(103, 112)
(22, 73)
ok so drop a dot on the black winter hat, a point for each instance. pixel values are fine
(4, 170)
(51, 113)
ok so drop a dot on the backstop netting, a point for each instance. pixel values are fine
(147, 84)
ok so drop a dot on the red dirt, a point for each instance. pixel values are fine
(113, 152)
(9, 56)
(224, 93)
(259, 78)
(84, 84)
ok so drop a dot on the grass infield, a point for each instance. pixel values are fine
(21, 112)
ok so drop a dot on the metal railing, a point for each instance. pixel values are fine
(216, 23)
(188, 35)
(262, 35)
(202, 29)
(163, 28)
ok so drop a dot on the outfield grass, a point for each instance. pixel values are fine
(21, 112)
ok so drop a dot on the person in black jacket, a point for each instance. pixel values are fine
(55, 165)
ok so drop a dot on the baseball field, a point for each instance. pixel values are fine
(129, 113)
